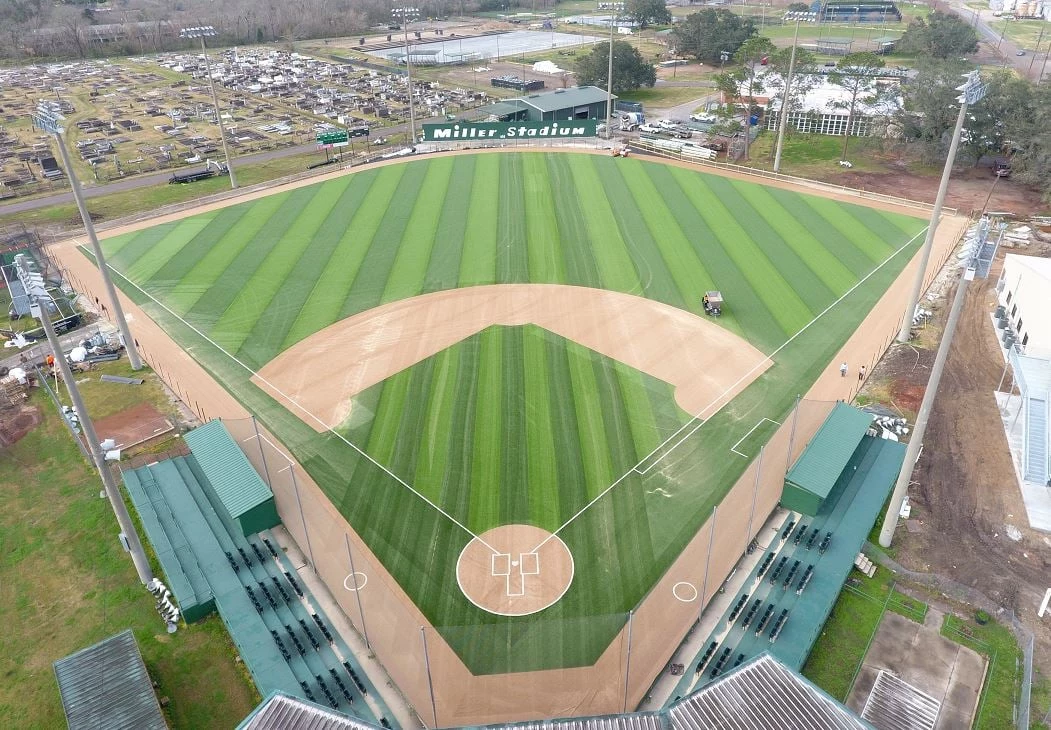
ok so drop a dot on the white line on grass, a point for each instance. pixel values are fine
(697, 417)
(293, 401)
(753, 428)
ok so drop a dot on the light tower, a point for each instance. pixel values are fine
(404, 16)
(202, 32)
(47, 118)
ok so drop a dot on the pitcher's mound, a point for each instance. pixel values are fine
(515, 570)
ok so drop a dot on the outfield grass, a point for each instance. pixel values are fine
(66, 583)
(258, 277)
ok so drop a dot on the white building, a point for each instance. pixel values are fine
(826, 106)
(1025, 293)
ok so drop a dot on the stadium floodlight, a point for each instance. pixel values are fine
(404, 16)
(47, 118)
(129, 535)
(971, 92)
(202, 32)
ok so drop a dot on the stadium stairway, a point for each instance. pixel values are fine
(286, 641)
(784, 601)
(1036, 439)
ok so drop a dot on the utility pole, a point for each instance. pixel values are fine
(127, 527)
(973, 90)
(1036, 51)
(609, 79)
(202, 32)
(47, 118)
(782, 122)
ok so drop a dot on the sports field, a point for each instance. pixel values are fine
(515, 424)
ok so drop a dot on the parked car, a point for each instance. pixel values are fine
(704, 118)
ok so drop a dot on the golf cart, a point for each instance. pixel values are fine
(713, 303)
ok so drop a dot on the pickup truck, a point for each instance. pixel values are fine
(651, 128)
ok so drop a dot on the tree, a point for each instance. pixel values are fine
(797, 7)
(753, 52)
(1031, 163)
(630, 70)
(648, 12)
(941, 35)
(1003, 114)
(856, 72)
(802, 83)
(707, 34)
(930, 108)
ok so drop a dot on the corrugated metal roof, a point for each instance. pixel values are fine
(762, 695)
(236, 483)
(823, 460)
(565, 98)
(894, 704)
(107, 686)
(281, 712)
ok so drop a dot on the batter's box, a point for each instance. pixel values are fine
(501, 564)
(529, 563)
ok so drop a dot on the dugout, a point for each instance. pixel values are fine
(816, 471)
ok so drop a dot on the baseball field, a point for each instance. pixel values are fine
(463, 344)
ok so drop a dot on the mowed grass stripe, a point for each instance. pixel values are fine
(478, 262)
(143, 268)
(594, 448)
(515, 489)
(782, 229)
(790, 311)
(836, 214)
(207, 269)
(438, 428)
(580, 266)
(892, 228)
(323, 305)
(443, 270)
(831, 238)
(414, 254)
(616, 268)
(219, 227)
(272, 274)
(541, 239)
(540, 438)
(757, 321)
(273, 325)
(123, 251)
(376, 268)
(512, 254)
(486, 451)
(637, 232)
(569, 461)
(670, 245)
(383, 439)
(214, 303)
(646, 433)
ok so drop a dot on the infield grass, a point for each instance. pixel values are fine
(515, 424)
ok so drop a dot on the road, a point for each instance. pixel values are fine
(1006, 48)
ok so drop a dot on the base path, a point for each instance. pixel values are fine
(707, 365)
(504, 572)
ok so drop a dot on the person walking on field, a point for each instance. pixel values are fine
(861, 373)
(843, 370)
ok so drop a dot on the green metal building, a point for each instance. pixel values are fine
(579, 102)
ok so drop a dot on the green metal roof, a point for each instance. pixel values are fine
(566, 98)
(235, 481)
(107, 686)
(826, 456)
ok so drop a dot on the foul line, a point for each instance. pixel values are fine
(277, 390)
(753, 428)
(697, 417)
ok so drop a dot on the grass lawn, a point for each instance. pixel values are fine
(996, 642)
(813, 155)
(66, 583)
(259, 277)
(661, 97)
(1025, 33)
